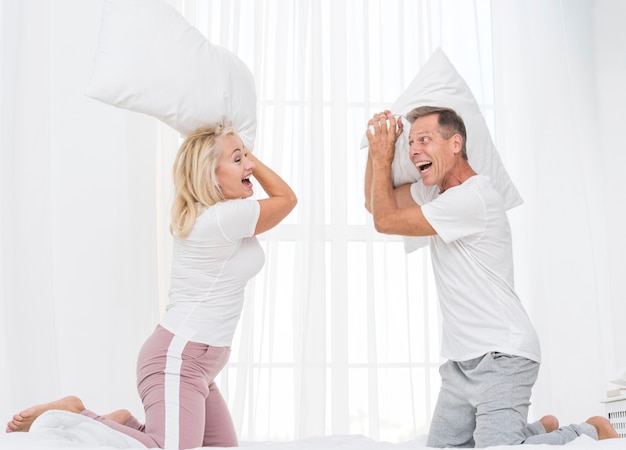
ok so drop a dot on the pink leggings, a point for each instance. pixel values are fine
(183, 406)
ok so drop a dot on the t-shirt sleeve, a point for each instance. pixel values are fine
(423, 194)
(459, 213)
(238, 218)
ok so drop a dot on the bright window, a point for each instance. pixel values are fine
(340, 331)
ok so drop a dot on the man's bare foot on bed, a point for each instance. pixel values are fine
(120, 416)
(550, 423)
(603, 426)
(23, 420)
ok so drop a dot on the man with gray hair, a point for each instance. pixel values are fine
(492, 350)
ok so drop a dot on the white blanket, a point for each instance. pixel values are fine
(64, 430)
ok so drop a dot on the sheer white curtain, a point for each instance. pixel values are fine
(78, 288)
(340, 330)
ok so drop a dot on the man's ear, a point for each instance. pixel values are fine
(457, 142)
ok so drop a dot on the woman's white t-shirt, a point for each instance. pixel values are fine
(210, 270)
(473, 268)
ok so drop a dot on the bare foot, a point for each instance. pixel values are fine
(23, 420)
(550, 423)
(120, 416)
(603, 426)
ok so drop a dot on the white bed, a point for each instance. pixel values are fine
(64, 430)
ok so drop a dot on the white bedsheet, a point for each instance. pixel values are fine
(64, 430)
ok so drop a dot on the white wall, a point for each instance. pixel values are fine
(609, 48)
(558, 115)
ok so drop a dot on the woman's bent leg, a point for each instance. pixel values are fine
(129, 428)
(174, 376)
(219, 430)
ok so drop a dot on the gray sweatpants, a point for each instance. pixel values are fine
(484, 402)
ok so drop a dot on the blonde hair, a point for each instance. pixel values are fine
(195, 184)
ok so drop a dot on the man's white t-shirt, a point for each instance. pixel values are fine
(210, 270)
(473, 268)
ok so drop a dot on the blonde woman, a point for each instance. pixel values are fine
(214, 224)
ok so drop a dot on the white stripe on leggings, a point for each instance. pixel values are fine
(173, 365)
